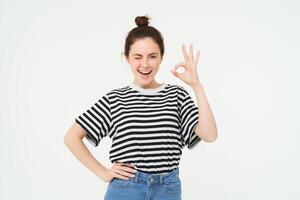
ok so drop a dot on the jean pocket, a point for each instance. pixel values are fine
(173, 185)
(117, 182)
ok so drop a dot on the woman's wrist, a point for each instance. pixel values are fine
(197, 86)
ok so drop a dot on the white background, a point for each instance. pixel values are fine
(58, 57)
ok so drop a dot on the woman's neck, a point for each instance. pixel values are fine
(152, 85)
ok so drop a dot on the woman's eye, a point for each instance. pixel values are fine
(150, 57)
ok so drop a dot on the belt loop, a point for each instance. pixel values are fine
(161, 179)
(177, 171)
(136, 176)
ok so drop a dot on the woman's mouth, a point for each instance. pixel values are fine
(144, 74)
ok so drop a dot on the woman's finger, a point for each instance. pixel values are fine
(181, 64)
(191, 56)
(122, 164)
(129, 166)
(197, 58)
(186, 57)
(123, 173)
(177, 74)
(127, 169)
(118, 172)
(120, 176)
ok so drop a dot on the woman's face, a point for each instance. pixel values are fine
(144, 58)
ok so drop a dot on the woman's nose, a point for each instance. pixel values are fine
(145, 63)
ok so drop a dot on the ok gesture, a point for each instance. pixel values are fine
(190, 74)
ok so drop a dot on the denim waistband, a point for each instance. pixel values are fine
(150, 178)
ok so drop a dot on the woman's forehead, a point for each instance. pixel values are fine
(145, 44)
(144, 50)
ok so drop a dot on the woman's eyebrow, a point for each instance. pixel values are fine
(136, 54)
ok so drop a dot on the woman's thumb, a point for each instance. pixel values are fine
(174, 72)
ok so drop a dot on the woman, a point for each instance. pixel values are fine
(149, 123)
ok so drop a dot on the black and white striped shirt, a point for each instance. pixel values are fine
(148, 127)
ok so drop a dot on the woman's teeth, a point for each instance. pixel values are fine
(144, 73)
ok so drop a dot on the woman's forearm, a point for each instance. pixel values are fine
(81, 152)
(206, 128)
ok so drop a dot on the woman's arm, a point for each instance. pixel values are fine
(73, 140)
(206, 128)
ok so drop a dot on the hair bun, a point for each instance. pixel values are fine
(142, 20)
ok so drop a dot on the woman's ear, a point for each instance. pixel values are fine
(127, 59)
(161, 59)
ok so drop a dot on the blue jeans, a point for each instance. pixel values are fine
(146, 186)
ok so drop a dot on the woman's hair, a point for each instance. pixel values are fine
(141, 31)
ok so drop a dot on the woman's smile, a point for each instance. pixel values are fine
(144, 74)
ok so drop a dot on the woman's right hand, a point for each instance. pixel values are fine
(119, 170)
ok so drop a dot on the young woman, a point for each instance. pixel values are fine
(149, 123)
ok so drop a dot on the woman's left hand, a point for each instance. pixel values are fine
(190, 74)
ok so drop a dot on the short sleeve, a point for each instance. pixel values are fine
(188, 113)
(96, 120)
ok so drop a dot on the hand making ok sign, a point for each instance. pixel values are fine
(190, 74)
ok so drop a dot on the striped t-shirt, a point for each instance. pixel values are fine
(148, 127)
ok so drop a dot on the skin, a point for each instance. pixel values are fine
(208, 129)
(144, 55)
(73, 141)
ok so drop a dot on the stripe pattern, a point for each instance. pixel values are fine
(147, 130)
